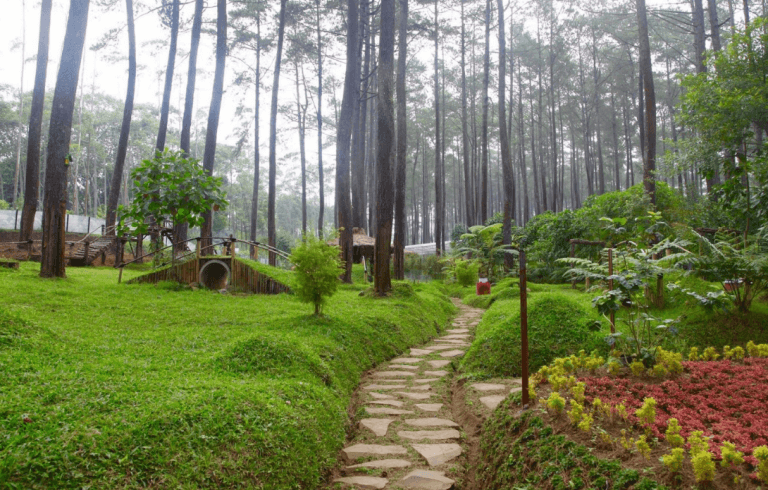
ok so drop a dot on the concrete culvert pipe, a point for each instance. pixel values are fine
(214, 275)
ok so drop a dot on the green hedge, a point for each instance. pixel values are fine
(558, 325)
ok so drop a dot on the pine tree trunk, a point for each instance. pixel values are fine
(122, 146)
(180, 230)
(163, 126)
(484, 130)
(321, 178)
(469, 198)
(60, 130)
(256, 154)
(385, 148)
(209, 154)
(646, 74)
(36, 126)
(506, 158)
(343, 134)
(402, 146)
(438, 146)
(357, 163)
(271, 237)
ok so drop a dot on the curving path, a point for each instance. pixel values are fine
(408, 437)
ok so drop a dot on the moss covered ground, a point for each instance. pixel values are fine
(127, 386)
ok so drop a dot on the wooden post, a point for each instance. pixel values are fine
(524, 327)
(610, 287)
(573, 254)
(30, 244)
(120, 277)
(197, 248)
(232, 241)
(87, 249)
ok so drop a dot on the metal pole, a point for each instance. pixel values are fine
(610, 287)
(524, 326)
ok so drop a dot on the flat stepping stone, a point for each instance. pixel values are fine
(456, 336)
(437, 454)
(381, 396)
(488, 387)
(383, 464)
(455, 331)
(407, 360)
(402, 366)
(384, 387)
(370, 451)
(433, 435)
(424, 387)
(451, 342)
(420, 352)
(452, 353)
(435, 373)
(516, 389)
(377, 426)
(387, 374)
(426, 380)
(363, 481)
(415, 396)
(429, 407)
(392, 403)
(492, 401)
(438, 364)
(434, 348)
(426, 480)
(431, 422)
(386, 411)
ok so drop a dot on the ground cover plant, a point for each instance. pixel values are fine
(526, 453)
(685, 422)
(127, 386)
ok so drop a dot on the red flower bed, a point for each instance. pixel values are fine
(725, 400)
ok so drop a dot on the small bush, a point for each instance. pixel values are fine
(466, 272)
(318, 266)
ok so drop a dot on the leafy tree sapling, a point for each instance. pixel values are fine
(170, 187)
(318, 266)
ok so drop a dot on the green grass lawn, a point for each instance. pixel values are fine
(125, 386)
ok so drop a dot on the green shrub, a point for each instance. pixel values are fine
(557, 326)
(466, 272)
(318, 266)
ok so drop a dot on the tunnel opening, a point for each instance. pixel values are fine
(214, 275)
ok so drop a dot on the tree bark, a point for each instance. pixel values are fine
(321, 177)
(506, 158)
(484, 130)
(343, 133)
(468, 194)
(180, 230)
(209, 154)
(646, 73)
(256, 155)
(438, 170)
(402, 140)
(60, 131)
(163, 126)
(271, 237)
(357, 162)
(36, 126)
(385, 148)
(122, 146)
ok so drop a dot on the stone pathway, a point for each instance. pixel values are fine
(407, 438)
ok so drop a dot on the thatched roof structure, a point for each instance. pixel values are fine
(362, 245)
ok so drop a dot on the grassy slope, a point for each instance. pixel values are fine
(136, 385)
(493, 352)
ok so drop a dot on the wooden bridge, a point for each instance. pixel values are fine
(216, 272)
